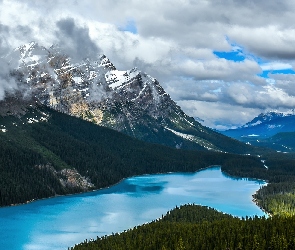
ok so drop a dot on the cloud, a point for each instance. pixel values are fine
(75, 41)
(220, 69)
(262, 97)
(271, 42)
(238, 95)
(174, 42)
(275, 66)
(285, 82)
(218, 114)
(7, 84)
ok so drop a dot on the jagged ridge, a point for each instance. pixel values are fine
(129, 101)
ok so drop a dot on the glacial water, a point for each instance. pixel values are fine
(60, 222)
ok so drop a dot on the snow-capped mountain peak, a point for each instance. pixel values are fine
(266, 117)
(265, 125)
(129, 101)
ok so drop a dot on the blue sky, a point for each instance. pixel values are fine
(130, 26)
(267, 66)
(239, 56)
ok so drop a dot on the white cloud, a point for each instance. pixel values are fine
(269, 41)
(275, 66)
(175, 43)
(285, 82)
(260, 97)
(219, 115)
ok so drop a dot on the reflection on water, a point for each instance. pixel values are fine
(61, 222)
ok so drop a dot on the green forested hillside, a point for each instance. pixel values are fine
(195, 227)
(277, 197)
(37, 147)
(34, 152)
(281, 142)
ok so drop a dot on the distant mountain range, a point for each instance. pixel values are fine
(128, 101)
(274, 130)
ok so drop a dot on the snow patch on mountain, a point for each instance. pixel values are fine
(183, 135)
(274, 126)
(266, 117)
(116, 78)
(193, 138)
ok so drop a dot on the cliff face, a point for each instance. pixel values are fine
(128, 101)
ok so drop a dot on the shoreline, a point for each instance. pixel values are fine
(98, 189)
(262, 209)
(159, 173)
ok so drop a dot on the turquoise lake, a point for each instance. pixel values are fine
(61, 222)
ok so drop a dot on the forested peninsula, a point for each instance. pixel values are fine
(198, 227)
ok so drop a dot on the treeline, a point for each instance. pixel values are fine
(196, 227)
(103, 155)
(107, 156)
(278, 197)
(20, 179)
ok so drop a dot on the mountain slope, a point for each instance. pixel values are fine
(46, 153)
(128, 101)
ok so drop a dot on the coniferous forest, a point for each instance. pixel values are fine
(196, 227)
(33, 154)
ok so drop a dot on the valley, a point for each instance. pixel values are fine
(48, 144)
(147, 125)
(77, 127)
(64, 221)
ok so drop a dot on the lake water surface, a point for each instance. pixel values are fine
(60, 222)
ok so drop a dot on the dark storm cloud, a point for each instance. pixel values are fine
(4, 33)
(23, 32)
(7, 84)
(75, 41)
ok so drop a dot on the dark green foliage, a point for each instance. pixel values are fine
(107, 156)
(21, 180)
(278, 196)
(103, 155)
(196, 227)
(287, 139)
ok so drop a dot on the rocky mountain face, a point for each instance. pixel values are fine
(128, 101)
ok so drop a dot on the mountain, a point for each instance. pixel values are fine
(273, 130)
(128, 101)
(267, 117)
(264, 125)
